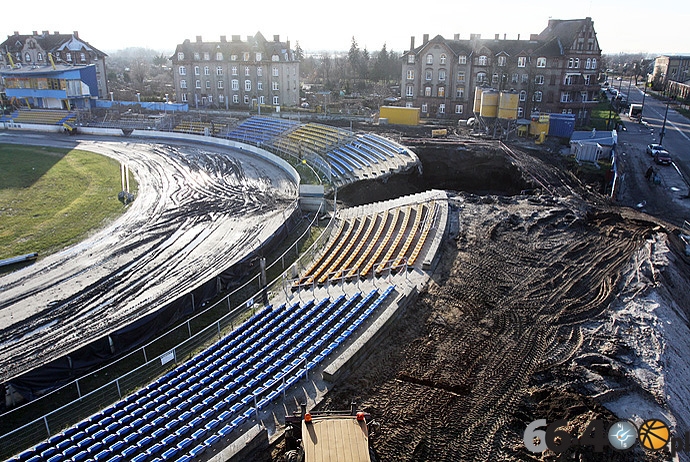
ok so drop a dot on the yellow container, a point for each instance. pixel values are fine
(508, 105)
(489, 106)
(477, 100)
(400, 115)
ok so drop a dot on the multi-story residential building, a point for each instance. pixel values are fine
(36, 50)
(236, 74)
(553, 72)
(671, 69)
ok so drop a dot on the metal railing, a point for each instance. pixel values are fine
(88, 394)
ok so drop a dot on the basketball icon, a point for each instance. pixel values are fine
(654, 434)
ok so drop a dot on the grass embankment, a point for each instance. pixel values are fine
(51, 198)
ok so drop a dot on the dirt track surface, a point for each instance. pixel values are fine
(198, 210)
(523, 321)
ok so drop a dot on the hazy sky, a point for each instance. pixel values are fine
(657, 26)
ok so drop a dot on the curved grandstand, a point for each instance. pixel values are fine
(199, 211)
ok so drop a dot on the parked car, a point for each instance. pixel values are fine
(653, 148)
(662, 157)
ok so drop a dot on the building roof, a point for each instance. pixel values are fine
(604, 138)
(49, 43)
(38, 70)
(256, 43)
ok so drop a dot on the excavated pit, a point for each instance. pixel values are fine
(481, 170)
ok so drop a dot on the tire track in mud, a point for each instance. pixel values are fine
(197, 212)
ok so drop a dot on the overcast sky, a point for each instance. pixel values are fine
(655, 27)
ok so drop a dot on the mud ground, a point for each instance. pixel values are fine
(522, 319)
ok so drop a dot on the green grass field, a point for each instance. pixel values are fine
(51, 198)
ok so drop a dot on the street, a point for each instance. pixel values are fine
(668, 197)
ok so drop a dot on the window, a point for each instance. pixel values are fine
(430, 59)
(494, 78)
(441, 108)
(196, 56)
(482, 61)
(583, 96)
(410, 74)
(219, 56)
(462, 59)
(245, 56)
(219, 70)
(183, 70)
(594, 63)
(460, 92)
(427, 91)
(235, 84)
(236, 99)
(82, 57)
(208, 84)
(196, 70)
(571, 63)
(257, 56)
(275, 58)
(409, 90)
(442, 59)
(425, 108)
(220, 84)
(539, 79)
(565, 97)
(537, 96)
(262, 99)
(569, 80)
(246, 71)
(221, 98)
(588, 79)
(207, 56)
(524, 78)
(234, 70)
(522, 61)
(523, 95)
(458, 108)
(247, 85)
(198, 84)
(514, 78)
(429, 74)
(207, 70)
(521, 112)
(502, 61)
(577, 63)
(541, 61)
(68, 57)
(410, 59)
(481, 77)
(233, 58)
(276, 101)
(184, 97)
(461, 76)
(588, 64)
(275, 72)
(246, 99)
(259, 71)
(275, 86)
(259, 85)
(183, 83)
(441, 92)
(442, 75)
(180, 56)
(40, 56)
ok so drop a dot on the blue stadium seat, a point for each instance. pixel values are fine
(197, 450)
(226, 430)
(80, 456)
(170, 453)
(185, 443)
(129, 451)
(140, 457)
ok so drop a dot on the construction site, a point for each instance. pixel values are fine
(526, 294)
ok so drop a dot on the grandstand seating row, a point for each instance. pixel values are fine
(355, 243)
(202, 401)
(200, 128)
(350, 156)
(43, 116)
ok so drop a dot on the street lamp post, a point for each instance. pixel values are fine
(644, 95)
(663, 125)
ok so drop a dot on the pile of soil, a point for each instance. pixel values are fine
(501, 335)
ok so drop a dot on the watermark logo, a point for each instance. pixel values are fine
(654, 434)
(622, 435)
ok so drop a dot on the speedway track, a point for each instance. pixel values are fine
(199, 209)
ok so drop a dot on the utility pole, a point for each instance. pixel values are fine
(663, 126)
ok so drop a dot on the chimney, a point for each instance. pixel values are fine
(75, 33)
(45, 32)
(235, 38)
(276, 38)
(518, 36)
(475, 36)
(412, 43)
(16, 32)
(35, 33)
(425, 38)
(456, 37)
(223, 39)
(496, 36)
(198, 39)
(533, 36)
(505, 36)
(56, 32)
